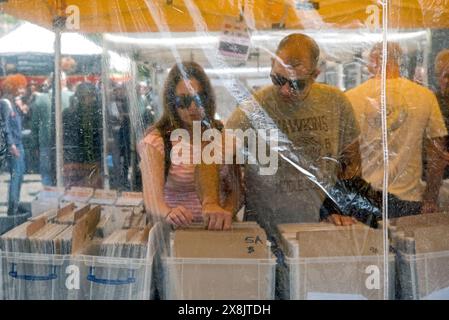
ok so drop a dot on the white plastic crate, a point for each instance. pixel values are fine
(224, 279)
(108, 278)
(422, 250)
(337, 278)
(333, 263)
(26, 276)
(424, 276)
(217, 278)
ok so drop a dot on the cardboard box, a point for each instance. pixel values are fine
(330, 262)
(419, 221)
(234, 264)
(308, 227)
(248, 243)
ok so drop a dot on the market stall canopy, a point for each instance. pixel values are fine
(191, 15)
(151, 46)
(30, 38)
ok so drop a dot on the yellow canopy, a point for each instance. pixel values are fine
(176, 15)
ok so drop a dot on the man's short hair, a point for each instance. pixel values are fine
(441, 61)
(297, 42)
(394, 50)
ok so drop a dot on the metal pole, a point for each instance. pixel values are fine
(104, 81)
(134, 121)
(155, 86)
(426, 54)
(58, 111)
(340, 76)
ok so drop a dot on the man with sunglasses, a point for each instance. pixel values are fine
(318, 121)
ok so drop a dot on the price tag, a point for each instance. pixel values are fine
(235, 40)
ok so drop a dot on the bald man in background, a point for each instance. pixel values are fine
(413, 119)
(318, 121)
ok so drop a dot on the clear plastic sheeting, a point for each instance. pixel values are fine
(193, 149)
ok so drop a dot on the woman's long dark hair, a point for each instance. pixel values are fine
(170, 120)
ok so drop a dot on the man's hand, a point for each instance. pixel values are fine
(429, 207)
(340, 220)
(217, 218)
(179, 216)
(14, 151)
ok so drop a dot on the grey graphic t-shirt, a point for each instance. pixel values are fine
(319, 128)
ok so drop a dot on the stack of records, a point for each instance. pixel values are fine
(130, 243)
(70, 214)
(44, 240)
(110, 220)
(135, 218)
(33, 237)
(43, 237)
(16, 240)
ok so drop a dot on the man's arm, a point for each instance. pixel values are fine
(435, 153)
(351, 164)
(351, 161)
(349, 156)
(434, 169)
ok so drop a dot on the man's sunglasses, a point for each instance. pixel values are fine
(184, 101)
(298, 84)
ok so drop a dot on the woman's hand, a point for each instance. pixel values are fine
(216, 218)
(179, 216)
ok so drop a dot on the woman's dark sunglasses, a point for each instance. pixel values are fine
(184, 101)
(297, 85)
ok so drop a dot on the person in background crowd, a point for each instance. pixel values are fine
(41, 132)
(66, 94)
(13, 109)
(413, 117)
(82, 123)
(119, 124)
(3, 143)
(146, 104)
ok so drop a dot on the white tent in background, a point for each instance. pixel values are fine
(30, 38)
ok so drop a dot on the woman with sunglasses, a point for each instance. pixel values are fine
(170, 188)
